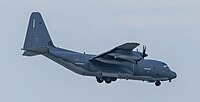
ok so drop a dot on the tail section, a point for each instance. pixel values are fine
(37, 38)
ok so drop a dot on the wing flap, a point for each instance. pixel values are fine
(127, 57)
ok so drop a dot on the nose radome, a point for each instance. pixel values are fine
(174, 75)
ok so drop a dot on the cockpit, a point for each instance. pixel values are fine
(165, 66)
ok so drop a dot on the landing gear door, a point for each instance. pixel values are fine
(114, 75)
(134, 68)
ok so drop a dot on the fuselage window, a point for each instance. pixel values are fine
(147, 68)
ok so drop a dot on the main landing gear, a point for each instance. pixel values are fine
(99, 80)
(157, 83)
(108, 80)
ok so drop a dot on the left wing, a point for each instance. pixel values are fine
(120, 53)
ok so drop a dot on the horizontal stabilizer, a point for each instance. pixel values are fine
(35, 51)
(28, 53)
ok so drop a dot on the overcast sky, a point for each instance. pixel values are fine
(169, 29)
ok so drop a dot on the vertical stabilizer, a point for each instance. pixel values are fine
(37, 36)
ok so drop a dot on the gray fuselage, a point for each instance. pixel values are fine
(145, 69)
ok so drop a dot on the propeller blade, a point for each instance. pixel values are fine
(144, 52)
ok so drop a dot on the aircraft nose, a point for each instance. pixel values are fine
(173, 75)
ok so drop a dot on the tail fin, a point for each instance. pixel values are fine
(37, 37)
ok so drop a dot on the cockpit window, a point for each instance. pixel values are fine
(165, 66)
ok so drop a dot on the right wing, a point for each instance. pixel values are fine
(119, 54)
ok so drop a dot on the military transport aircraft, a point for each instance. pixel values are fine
(120, 62)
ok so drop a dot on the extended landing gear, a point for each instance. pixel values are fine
(157, 83)
(108, 80)
(99, 80)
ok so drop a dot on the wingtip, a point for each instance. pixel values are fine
(35, 12)
(134, 43)
(128, 46)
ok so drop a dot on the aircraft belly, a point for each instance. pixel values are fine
(115, 75)
(143, 78)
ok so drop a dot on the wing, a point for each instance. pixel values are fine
(118, 54)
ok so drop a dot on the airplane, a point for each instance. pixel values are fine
(120, 62)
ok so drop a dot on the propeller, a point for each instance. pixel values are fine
(144, 52)
(143, 55)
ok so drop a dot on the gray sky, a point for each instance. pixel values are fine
(169, 29)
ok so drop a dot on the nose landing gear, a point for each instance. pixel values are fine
(157, 83)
